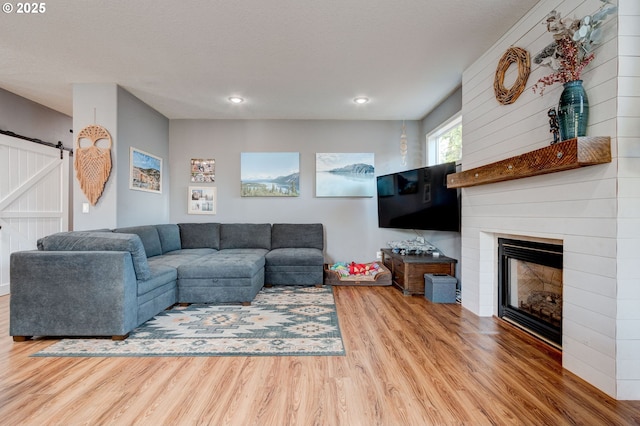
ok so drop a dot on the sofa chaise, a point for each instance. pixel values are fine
(107, 282)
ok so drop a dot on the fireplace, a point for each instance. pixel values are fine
(530, 287)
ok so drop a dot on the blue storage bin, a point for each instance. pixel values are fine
(440, 288)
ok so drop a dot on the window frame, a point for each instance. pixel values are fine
(433, 138)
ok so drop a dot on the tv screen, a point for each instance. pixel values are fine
(419, 199)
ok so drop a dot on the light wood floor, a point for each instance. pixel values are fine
(408, 362)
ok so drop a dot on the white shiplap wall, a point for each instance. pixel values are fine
(628, 309)
(581, 208)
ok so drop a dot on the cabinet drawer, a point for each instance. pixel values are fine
(398, 272)
(398, 265)
(388, 262)
(398, 279)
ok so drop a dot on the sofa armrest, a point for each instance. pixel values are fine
(100, 241)
(72, 293)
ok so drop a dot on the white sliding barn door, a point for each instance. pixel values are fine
(34, 197)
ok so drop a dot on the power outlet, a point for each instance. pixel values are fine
(85, 207)
(378, 255)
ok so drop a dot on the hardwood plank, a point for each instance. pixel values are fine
(408, 362)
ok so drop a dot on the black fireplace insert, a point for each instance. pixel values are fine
(530, 287)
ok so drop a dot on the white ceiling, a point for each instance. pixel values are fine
(299, 59)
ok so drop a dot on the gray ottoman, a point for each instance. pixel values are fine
(221, 278)
(440, 288)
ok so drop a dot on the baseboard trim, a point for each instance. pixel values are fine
(4, 289)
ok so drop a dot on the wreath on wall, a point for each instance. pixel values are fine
(520, 57)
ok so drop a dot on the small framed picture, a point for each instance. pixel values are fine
(202, 200)
(145, 171)
(203, 170)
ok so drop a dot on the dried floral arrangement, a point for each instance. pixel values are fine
(573, 43)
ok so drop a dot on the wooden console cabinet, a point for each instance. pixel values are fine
(408, 271)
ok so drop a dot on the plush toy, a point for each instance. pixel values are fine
(341, 268)
(363, 268)
(353, 268)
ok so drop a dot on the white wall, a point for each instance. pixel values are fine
(579, 207)
(351, 224)
(628, 247)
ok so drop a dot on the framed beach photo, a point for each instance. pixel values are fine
(201, 200)
(145, 172)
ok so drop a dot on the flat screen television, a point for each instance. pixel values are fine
(419, 199)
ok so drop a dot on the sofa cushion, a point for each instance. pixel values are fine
(149, 236)
(198, 251)
(220, 265)
(256, 251)
(101, 241)
(159, 276)
(245, 235)
(176, 258)
(297, 235)
(295, 257)
(169, 237)
(39, 242)
(200, 235)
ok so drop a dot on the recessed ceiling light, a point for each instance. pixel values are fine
(236, 100)
(361, 100)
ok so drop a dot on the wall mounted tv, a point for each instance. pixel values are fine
(419, 199)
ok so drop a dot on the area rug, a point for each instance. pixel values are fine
(282, 320)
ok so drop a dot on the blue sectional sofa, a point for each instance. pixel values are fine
(107, 282)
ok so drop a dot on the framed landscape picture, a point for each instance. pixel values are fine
(345, 175)
(270, 174)
(145, 172)
(202, 200)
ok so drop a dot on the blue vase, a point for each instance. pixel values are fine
(573, 110)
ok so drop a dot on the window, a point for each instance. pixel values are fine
(444, 144)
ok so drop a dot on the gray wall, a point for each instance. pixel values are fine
(144, 128)
(444, 111)
(130, 122)
(352, 232)
(27, 118)
(351, 224)
(97, 104)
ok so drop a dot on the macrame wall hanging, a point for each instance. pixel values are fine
(403, 145)
(92, 163)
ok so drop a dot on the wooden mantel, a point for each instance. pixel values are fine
(566, 155)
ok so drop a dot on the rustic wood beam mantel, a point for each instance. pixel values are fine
(566, 155)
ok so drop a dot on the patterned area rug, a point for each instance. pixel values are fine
(284, 320)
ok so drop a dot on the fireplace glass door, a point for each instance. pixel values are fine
(530, 287)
